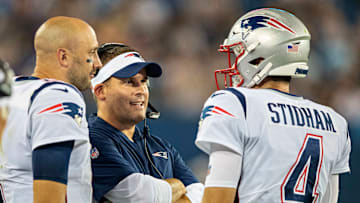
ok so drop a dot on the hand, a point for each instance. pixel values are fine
(177, 187)
(183, 199)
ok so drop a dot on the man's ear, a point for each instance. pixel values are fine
(99, 91)
(63, 57)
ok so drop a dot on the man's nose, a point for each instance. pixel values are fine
(97, 62)
(141, 89)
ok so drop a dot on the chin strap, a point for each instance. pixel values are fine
(260, 76)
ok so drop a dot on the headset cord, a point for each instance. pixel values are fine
(146, 132)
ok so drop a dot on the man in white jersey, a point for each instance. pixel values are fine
(265, 144)
(44, 154)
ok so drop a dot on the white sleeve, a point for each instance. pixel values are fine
(342, 163)
(332, 191)
(140, 188)
(57, 114)
(224, 168)
(222, 122)
(195, 192)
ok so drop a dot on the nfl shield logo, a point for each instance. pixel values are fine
(94, 153)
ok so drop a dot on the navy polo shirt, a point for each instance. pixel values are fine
(114, 157)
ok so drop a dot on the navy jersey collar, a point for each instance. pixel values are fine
(96, 121)
(286, 93)
(22, 78)
(137, 134)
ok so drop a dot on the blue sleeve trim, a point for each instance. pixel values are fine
(38, 90)
(51, 162)
(241, 98)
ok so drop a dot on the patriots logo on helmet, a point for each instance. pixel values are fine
(71, 109)
(250, 24)
(211, 110)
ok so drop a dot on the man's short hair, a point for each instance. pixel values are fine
(280, 78)
(109, 51)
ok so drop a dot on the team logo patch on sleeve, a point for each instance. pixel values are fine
(211, 110)
(71, 109)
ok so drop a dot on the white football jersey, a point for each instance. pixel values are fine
(289, 145)
(42, 112)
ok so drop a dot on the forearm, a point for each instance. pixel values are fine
(194, 193)
(183, 199)
(138, 187)
(49, 191)
(219, 194)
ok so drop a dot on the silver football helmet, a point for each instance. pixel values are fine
(266, 42)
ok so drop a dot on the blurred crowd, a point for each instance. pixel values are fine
(183, 37)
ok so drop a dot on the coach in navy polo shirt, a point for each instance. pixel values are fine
(130, 165)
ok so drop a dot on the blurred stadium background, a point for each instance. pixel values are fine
(183, 37)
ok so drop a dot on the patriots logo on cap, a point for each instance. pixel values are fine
(211, 110)
(133, 54)
(68, 108)
(250, 24)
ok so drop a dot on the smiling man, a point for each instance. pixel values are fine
(130, 165)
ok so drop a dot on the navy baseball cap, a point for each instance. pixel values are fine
(126, 65)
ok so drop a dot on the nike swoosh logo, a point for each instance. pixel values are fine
(64, 90)
(235, 33)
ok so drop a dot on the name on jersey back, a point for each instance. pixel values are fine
(287, 114)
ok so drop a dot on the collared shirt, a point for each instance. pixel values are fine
(114, 157)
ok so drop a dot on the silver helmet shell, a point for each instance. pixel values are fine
(266, 42)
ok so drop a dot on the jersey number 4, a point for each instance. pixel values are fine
(301, 181)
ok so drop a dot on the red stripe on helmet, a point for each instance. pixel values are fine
(282, 25)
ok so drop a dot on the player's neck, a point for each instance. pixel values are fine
(42, 71)
(129, 133)
(283, 86)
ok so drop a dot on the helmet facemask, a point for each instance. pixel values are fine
(240, 51)
(232, 73)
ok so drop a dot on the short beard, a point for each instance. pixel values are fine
(82, 82)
